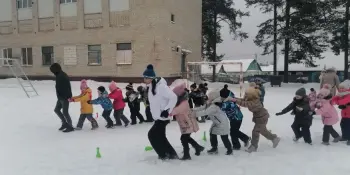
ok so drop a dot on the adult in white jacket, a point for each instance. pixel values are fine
(162, 101)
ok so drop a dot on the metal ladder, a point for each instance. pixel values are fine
(21, 77)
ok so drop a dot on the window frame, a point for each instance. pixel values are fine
(123, 48)
(27, 56)
(9, 62)
(24, 4)
(98, 61)
(67, 1)
(52, 55)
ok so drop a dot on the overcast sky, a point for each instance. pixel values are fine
(234, 49)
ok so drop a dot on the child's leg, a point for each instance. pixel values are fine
(334, 133)
(326, 133)
(306, 134)
(92, 120)
(296, 129)
(106, 115)
(234, 132)
(346, 126)
(81, 121)
(133, 117)
(116, 114)
(140, 116)
(226, 142)
(122, 116)
(213, 141)
(185, 144)
(256, 135)
(148, 114)
(343, 129)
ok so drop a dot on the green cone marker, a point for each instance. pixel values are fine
(98, 154)
(204, 136)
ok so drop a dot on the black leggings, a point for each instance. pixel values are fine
(159, 142)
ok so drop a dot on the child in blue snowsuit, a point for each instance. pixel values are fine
(235, 116)
(106, 104)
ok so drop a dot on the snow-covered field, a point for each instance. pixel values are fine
(32, 145)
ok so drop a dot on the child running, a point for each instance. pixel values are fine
(118, 104)
(134, 104)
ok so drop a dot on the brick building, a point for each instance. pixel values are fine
(100, 39)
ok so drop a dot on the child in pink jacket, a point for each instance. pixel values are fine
(328, 113)
(187, 122)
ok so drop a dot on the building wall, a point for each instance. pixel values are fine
(144, 23)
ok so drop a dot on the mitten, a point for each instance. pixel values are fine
(165, 114)
(341, 106)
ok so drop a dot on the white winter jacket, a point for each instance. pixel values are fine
(164, 99)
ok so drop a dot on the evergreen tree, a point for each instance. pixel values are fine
(300, 29)
(214, 13)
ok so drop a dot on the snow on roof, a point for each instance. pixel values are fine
(228, 67)
(268, 68)
(330, 60)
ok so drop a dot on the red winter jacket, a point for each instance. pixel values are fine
(343, 100)
(117, 96)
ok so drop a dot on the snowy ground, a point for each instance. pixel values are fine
(31, 145)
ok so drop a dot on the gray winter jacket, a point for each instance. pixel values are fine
(331, 78)
(221, 124)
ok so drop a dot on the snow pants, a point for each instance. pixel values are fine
(89, 117)
(302, 130)
(224, 138)
(158, 140)
(119, 115)
(329, 130)
(106, 115)
(236, 134)
(345, 128)
(260, 128)
(186, 139)
(148, 114)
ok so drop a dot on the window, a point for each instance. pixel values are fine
(124, 53)
(172, 18)
(27, 56)
(47, 55)
(94, 55)
(67, 1)
(7, 53)
(21, 4)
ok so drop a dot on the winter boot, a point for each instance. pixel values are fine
(336, 140)
(246, 143)
(94, 124)
(132, 123)
(342, 139)
(126, 124)
(110, 126)
(296, 139)
(69, 129)
(78, 128)
(63, 127)
(251, 149)
(186, 155)
(199, 149)
(325, 143)
(173, 156)
(213, 151)
(348, 143)
(229, 152)
(275, 142)
(141, 122)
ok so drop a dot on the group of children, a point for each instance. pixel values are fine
(118, 105)
(322, 103)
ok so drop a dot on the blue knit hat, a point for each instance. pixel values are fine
(149, 72)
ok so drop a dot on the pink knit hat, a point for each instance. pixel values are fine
(179, 89)
(325, 91)
(83, 84)
(113, 86)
